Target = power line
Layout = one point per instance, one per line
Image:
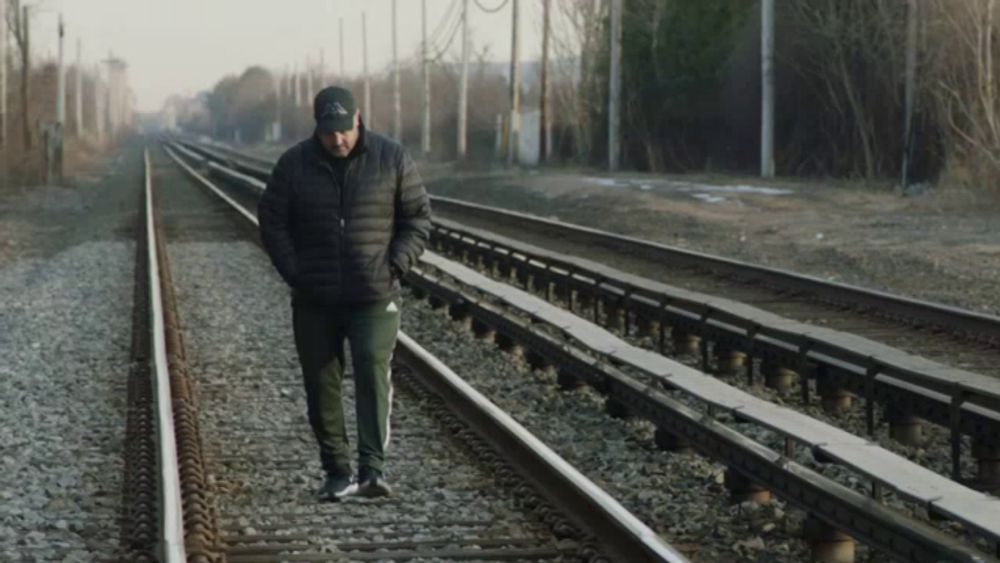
(448, 26)
(491, 10)
(451, 39)
(443, 24)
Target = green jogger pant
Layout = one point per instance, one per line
(320, 333)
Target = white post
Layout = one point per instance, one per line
(369, 114)
(513, 136)
(397, 102)
(343, 77)
(425, 133)
(99, 118)
(767, 90)
(614, 94)
(78, 90)
(463, 91)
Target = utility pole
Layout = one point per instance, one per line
(309, 93)
(287, 85)
(276, 126)
(78, 89)
(61, 80)
(767, 89)
(513, 139)
(117, 95)
(98, 105)
(615, 90)
(911, 88)
(3, 82)
(463, 87)
(396, 101)
(425, 130)
(543, 129)
(369, 114)
(23, 27)
(4, 163)
(295, 86)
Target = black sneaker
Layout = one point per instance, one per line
(337, 487)
(371, 483)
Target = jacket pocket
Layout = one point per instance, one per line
(379, 273)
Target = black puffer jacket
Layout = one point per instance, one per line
(344, 243)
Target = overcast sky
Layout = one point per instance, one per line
(184, 46)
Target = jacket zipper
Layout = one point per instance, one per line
(343, 220)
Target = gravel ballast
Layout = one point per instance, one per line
(65, 323)
(680, 496)
(260, 453)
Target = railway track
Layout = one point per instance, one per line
(910, 361)
(772, 469)
(234, 452)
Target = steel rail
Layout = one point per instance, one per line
(589, 506)
(862, 517)
(471, 301)
(964, 402)
(841, 507)
(171, 536)
(584, 503)
(874, 371)
(962, 321)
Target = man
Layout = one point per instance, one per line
(344, 217)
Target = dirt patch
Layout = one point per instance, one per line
(941, 246)
(38, 221)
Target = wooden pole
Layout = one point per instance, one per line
(61, 79)
(463, 91)
(368, 112)
(767, 90)
(3, 78)
(425, 130)
(99, 117)
(513, 138)
(543, 129)
(396, 100)
(614, 94)
(78, 90)
(911, 88)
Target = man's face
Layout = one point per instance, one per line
(340, 143)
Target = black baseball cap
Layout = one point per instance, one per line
(334, 109)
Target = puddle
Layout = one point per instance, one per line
(702, 192)
(709, 198)
(737, 189)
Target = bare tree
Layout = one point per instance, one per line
(18, 21)
(577, 37)
(853, 50)
(967, 86)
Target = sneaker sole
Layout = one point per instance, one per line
(375, 491)
(340, 495)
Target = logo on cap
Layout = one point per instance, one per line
(334, 109)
